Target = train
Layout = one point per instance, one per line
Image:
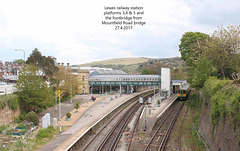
(183, 92)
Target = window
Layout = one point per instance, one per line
(83, 78)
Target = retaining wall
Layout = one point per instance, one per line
(224, 138)
(7, 115)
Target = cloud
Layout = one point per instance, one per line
(72, 31)
(215, 12)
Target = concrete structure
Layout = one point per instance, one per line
(7, 89)
(44, 122)
(166, 80)
(55, 123)
(48, 119)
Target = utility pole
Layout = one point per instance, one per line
(60, 126)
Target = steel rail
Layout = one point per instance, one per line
(111, 133)
(105, 125)
(117, 138)
(132, 132)
(159, 127)
(165, 138)
(180, 130)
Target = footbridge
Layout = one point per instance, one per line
(123, 83)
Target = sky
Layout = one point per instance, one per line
(72, 30)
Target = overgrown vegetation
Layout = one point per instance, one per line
(3, 127)
(225, 100)
(11, 100)
(194, 102)
(215, 55)
(32, 117)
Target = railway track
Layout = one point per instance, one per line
(180, 130)
(111, 140)
(164, 127)
(132, 132)
(112, 137)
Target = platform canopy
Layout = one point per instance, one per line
(134, 80)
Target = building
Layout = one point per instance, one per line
(83, 77)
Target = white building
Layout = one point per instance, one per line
(7, 88)
(166, 80)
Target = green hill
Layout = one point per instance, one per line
(117, 61)
(135, 65)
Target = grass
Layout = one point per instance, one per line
(117, 61)
(35, 140)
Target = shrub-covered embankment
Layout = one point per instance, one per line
(219, 120)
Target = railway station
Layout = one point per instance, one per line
(116, 81)
(116, 90)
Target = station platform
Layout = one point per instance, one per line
(88, 114)
(153, 112)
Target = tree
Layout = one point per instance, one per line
(32, 90)
(201, 73)
(76, 106)
(193, 52)
(146, 71)
(67, 81)
(19, 61)
(47, 64)
(153, 68)
(190, 46)
(223, 49)
(179, 73)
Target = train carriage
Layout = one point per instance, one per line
(183, 92)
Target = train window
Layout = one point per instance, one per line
(184, 91)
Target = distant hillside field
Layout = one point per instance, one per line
(135, 65)
(117, 61)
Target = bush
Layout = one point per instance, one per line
(2, 128)
(68, 115)
(21, 125)
(13, 102)
(32, 117)
(22, 116)
(76, 105)
(23, 131)
(44, 133)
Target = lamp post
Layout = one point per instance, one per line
(60, 126)
(23, 53)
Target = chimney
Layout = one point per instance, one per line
(67, 65)
(62, 64)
